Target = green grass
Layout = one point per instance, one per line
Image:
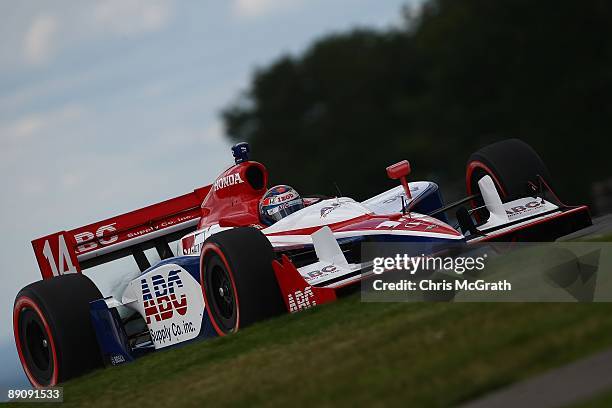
(356, 354)
(603, 400)
(597, 238)
(353, 353)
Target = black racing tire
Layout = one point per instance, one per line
(53, 332)
(512, 164)
(238, 281)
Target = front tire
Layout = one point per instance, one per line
(512, 164)
(53, 332)
(238, 281)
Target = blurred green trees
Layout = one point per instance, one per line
(456, 76)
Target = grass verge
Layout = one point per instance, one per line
(353, 353)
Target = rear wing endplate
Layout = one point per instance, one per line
(128, 234)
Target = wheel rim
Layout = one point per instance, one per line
(36, 346)
(220, 294)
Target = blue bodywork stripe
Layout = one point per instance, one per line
(190, 263)
(110, 334)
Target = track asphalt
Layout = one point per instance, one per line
(577, 381)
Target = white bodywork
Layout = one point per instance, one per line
(512, 211)
(340, 209)
(170, 300)
(184, 324)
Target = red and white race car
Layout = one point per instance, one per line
(232, 269)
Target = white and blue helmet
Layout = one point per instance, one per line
(279, 202)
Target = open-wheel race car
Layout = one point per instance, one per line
(246, 252)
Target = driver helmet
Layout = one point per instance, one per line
(279, 202)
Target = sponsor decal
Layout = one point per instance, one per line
(187, 245)
(388, 224)
(408, 225)
(192, 244)
(301, 299)
(82, 238)
(226, 181)
(193, 250)
(279, 198)
(172, 333)
(326, 210)
(525, 208)
(281, 189)
(116, 359)
(160, 297)
(399, 196)
(282, 206)
(161, 225)
(326, 270)
(392, 199)
(171, 304)
(415, 224)
(89, 240)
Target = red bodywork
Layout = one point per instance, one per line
(296, 292)
(62, 252)
(233, 200)
(230, 201)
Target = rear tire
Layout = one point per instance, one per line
(238, 281)
(53, 331)
(512, 164)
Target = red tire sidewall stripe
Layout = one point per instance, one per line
(25, 301)
(472, 166)
(214, 248)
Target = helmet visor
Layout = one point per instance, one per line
(278, 212)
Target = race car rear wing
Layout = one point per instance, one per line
(124, 235)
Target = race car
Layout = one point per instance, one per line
(246, 252)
